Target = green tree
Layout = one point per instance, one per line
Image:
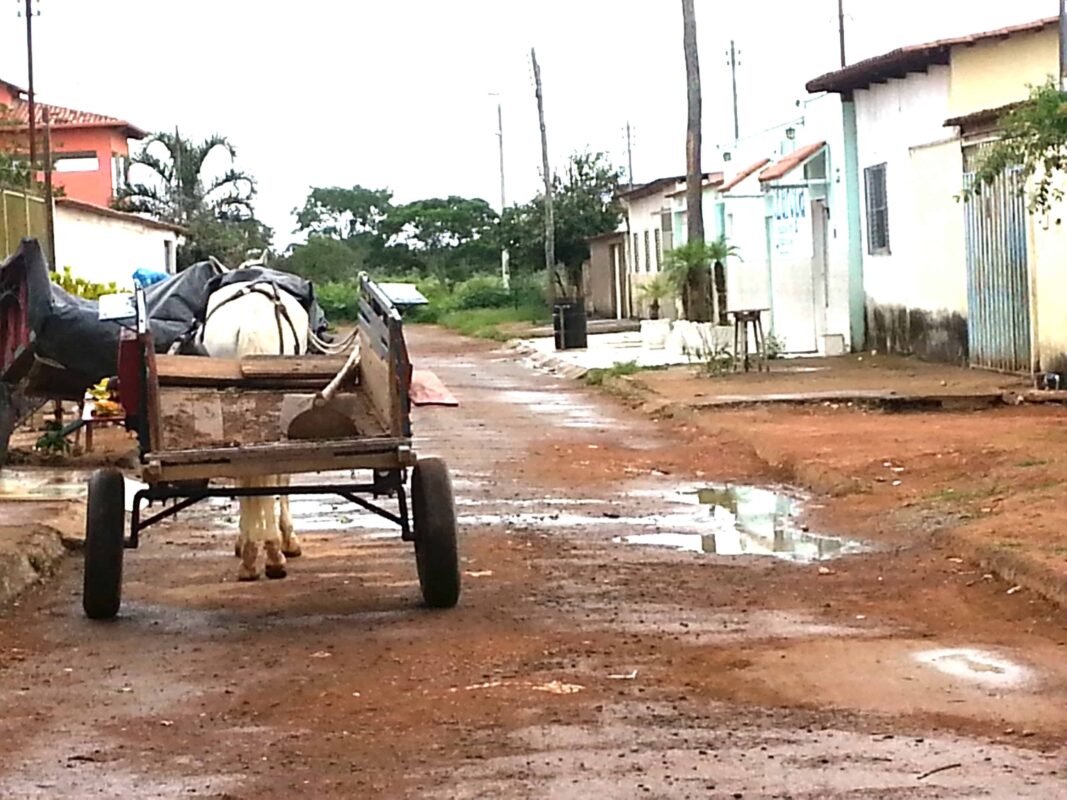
(1033, 141)
(586, 204)
(175, 186)
(452, 237)
(700, 266)
(324, 259)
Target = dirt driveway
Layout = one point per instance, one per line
(577, 665)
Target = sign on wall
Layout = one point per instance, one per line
(791, 229)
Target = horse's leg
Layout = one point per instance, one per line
(272, 541)
(258, 526)
(290, 544)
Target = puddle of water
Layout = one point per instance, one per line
(975, 665)
(43, 484)
(748, 520)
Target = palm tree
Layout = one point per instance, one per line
(691, 265)
(659, 288)
(177, 189)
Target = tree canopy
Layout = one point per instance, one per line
(1033, 141)
(453, 238)
(174, 184)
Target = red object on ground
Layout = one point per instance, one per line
(427, 390)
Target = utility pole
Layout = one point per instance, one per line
(505, 270)
(841, 27)
(733, 81)
(1063, 45)
(32, 100)
(49, 197)
(550, 225)
(698, 307)
(179, 200)
(629, 155)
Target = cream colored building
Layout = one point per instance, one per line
(980, 282)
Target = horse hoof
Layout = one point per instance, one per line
(247, 576)
(296, 552)
(275, 571)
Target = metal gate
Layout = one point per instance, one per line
(998, 287)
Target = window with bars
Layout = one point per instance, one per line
(659, 250)
(877, 210)
(636, 255)
(648, 253)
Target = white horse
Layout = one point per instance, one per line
(245, 319)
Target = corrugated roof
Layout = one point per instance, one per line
(743, 174)
(650, 188)
(790, 162)
(113, 213)
(711, 179)
(17, 116)
(986, 115)
(913, 58)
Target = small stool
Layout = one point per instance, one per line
(743, 319)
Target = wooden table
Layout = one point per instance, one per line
(743, 319)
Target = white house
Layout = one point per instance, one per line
(103, 245)
(785, 210)
(649, 234)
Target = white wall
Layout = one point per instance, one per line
(900, 124)
(645, 215)
(103, 249)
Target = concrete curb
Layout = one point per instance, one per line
(28, 558)
(548, 363)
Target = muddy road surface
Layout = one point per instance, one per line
(627, 629)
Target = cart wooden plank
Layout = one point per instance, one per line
(280, 458)
(203, 417)
(276, 372)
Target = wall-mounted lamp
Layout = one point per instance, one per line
(790, 133)
(727, 156)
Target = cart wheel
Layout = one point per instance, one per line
(435, 533)
(105, 522)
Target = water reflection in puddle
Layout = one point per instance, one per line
(41, 484)
(747, 520)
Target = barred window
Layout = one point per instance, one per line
(877, 210)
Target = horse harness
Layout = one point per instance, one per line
(270, 290)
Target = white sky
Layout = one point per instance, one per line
(395, 93)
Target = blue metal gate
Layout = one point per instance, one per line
(998, 287)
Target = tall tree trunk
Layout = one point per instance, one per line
(699, 284)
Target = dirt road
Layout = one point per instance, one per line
(576, 666)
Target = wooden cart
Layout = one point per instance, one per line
(203, 423)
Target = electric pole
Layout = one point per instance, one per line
(29, 75)
(841, 28)
(733, 82)
(550, 225)
(1063, 45)
(629, 155)
(505, 271)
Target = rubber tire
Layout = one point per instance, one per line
(105, 523)
(436, 552)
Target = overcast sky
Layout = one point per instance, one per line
(397, 94)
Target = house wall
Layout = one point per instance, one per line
(994, 73)
(103, 249)
(95, 186)
(916, 293)
(645, 215)
(599, 274)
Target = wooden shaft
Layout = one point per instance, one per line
(326, 395)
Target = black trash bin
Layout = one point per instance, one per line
(568, 325)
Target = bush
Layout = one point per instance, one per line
(481, 291)
(79, 287)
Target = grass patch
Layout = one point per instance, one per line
(963, 495)
(1032, 462)
(492, 323)
(596, 377)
